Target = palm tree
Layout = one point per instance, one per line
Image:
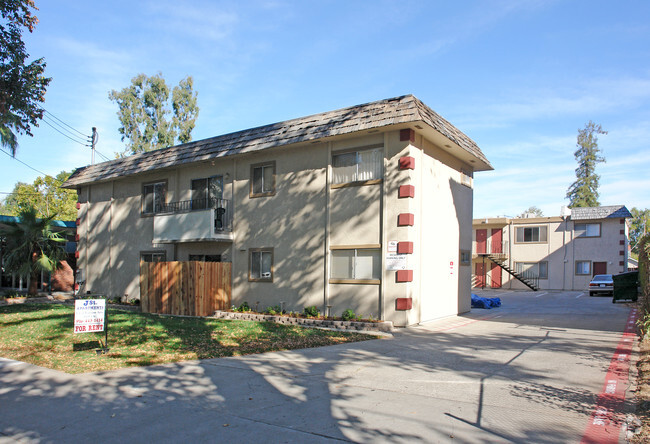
(8, 138)
(32, 247)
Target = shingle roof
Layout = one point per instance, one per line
(398, 110)
(589, 213)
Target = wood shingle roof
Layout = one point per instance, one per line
(606, 212)
(399, 110)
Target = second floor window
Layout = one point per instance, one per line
(262, 179)
(587, 230)
(205, 192)
(357, 166)
(531, 234)
(153, 197)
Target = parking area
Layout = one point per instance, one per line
(533, 370)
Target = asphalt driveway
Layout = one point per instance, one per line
(538, 369)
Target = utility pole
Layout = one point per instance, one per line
(94, 141)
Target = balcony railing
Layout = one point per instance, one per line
(497, 249)
(222, 210)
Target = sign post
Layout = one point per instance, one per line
(89, 317)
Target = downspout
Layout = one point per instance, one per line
(326, 246)
(564, 260)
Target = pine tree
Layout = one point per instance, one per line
(584, 191)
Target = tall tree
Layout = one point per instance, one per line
(45, 195)
(639, 225)
(584, 191)
(145, 108)
(534, 211)
(32, 247)
(22, 83)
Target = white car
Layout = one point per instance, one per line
(601, 283)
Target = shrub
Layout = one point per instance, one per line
(273, 309)
(312, 311)
(348, 315)
(244, 307)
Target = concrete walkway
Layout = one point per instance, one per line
(528, 372)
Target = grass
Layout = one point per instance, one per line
(42, 334)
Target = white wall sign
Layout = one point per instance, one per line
(89, 315)
(396, 261)
(392, 247)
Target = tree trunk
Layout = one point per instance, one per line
(34, 277)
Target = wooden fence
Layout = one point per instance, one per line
(185, 288)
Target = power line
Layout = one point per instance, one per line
(74, 129)
(71, 137)
(31, 167)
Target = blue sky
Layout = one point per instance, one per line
(518, 77)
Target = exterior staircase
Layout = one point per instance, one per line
(501, 262)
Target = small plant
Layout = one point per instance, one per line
(311, 311)
(272, 310)
(644, 325)
(348, 315)
(244, 307)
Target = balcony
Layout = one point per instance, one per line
(496, 249)
(193, 221)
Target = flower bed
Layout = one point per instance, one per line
(383, 326)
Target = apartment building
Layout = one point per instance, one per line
(367, 208)
(551, 253)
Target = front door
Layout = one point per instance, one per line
(600, 268)
(481, 241)
(480, 275)
(496, 240)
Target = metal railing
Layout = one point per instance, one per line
(493, 248)
(221, 207)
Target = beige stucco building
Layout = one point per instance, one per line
(553, 253)
(367, 207)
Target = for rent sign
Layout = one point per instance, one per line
(89, 315)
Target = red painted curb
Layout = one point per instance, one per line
(606, 420)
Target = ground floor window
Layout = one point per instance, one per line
(153, 256)
(583, 267)
(356, 264)
(260, 264)
(532, 270)
(205, 257)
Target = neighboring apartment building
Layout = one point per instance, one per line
(554, 253)
(367, 208)
(60, 280)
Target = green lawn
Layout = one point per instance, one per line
(42, 334)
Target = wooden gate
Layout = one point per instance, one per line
(185, 288)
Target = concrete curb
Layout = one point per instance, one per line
(381, 326)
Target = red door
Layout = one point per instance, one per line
(480, 275)
(600, 268)
(496, 276)
(496, 239)
(481, 241)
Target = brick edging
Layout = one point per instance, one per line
(383, 326)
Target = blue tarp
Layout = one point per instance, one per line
(480, 302)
